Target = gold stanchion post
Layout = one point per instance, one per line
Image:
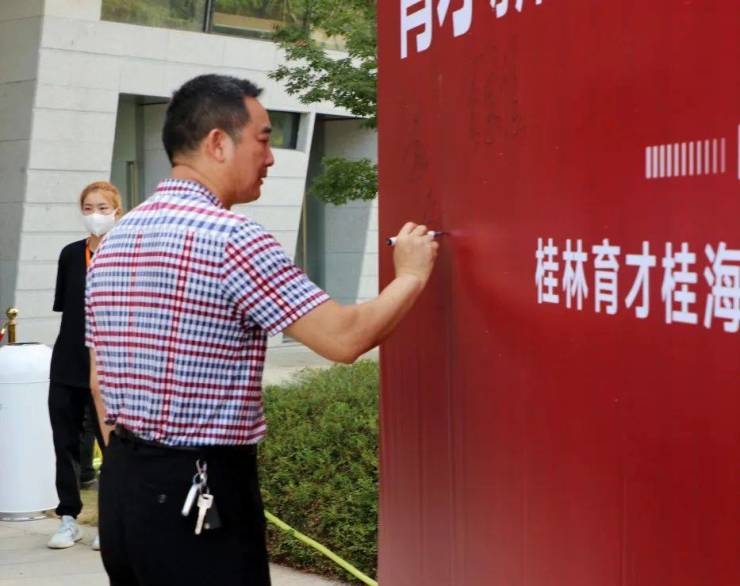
(12, 314)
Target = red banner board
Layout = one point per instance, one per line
(563, 405)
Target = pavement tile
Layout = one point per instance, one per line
(26, 561)
(41, 527)
(17, 542)
(73, 580)
(9, 531)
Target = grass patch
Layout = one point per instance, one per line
(89, 514)
(319, 467)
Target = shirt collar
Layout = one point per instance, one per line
(188, 187)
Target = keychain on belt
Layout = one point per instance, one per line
(207, 514)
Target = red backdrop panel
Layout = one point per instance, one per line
(525, 440)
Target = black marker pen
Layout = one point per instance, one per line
(392, 240)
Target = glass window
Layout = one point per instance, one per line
(259, 19)
(187, 15)
(284, 129)
(249, 18)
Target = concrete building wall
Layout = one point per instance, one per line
(156, 164)
(351, 239)
(62, 72)
(20, 33)
(126, 147)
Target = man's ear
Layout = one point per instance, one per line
(217, 145)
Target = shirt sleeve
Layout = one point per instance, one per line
(263, 284)
(89, 315)
(59, 292)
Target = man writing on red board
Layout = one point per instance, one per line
(181, 297)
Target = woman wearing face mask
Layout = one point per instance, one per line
(69, 390)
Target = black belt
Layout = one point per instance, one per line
(128, 436)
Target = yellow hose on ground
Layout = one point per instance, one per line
(320, 548)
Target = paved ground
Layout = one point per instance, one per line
(26, 561)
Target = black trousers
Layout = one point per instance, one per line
(67, 407)
(90, 432)
(145, 540)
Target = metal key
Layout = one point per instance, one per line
(190, 499)
(199, 486)
(205, 502)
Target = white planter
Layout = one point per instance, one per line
(27, 461)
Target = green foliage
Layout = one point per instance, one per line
(315, 75)
(344, 180)
(319, 467)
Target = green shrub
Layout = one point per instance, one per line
(319, 467)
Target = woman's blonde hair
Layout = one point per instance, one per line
(107, 188)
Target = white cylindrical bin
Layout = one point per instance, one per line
(27, 459)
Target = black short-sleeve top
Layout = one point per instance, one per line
(70, 360)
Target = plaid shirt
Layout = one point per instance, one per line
(181, 295)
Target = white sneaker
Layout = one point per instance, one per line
(68, 533)
(96, 543)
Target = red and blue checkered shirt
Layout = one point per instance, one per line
(180, 298)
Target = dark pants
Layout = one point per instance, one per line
(144, 539)
(67, 406)
(87, 445)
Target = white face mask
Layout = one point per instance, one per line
(99, 224)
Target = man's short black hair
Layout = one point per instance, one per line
(202, 104)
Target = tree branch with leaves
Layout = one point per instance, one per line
(346, 79)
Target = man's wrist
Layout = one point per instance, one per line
(412, 278)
